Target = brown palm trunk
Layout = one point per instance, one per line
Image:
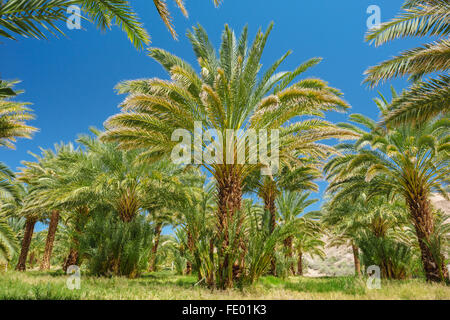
(422, 215)
(269, 205)
(356, 259)
(300, 263)
(29, 229)
(71, 260)
(229, 190)
(54, 219)
(288, 245)
(158, 229)
(32, 259)
(190, 245)
(74, 257)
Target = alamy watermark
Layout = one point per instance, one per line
(374, 277)
(74, 19)
(374, 20)
(237, 147)
(74, 280)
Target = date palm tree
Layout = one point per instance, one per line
(268, 188)
(8, 241)
(41, 178)
(426, 98)
(13, 116)
(229, 93)
(408, 161)
(291, 207)
(308, 241)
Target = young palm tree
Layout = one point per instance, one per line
(269, 188)
(228, 94)
(307, 242)
(168, 188)
(13, 116)
(291, 207)
(407, 161)
(425, 99)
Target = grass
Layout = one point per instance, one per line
(51, 285)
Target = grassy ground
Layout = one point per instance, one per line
(52, 285)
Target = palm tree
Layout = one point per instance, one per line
(168, 188)
(307, 241)
(115, 176)
(8, 241)
(196, 224)
(43, 178)
(26, 241)
(269, 188)
(12, 197)
(349, 217)
(291, 207)
(425, 99)
(32, 18)
(226, 95)
(13, 116)
(407, 161)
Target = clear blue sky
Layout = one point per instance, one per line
(70, 80)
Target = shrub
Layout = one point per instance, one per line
(114, 247)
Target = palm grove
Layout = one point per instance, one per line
(107, 197)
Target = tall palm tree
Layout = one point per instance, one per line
(44, 180)
(228, 94)
(13, 116)
(408, 161)
(33, 18)
(426, 98)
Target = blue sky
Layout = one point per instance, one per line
(71, 80)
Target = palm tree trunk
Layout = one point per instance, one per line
(355, 250)
(71, 260)
(81, 218)
(288, 246)
(29, 229)
(158, 229)
(435, 271)
(229, 191)
(190, 245)
(269, 205)
(300, 263)
(54, 219)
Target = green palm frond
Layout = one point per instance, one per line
(419, 18)
(434, 57)
(13, 117)
(30, 18)
(423, 101)
(104, 13)
(8, 241)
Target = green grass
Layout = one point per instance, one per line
(164, 285)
